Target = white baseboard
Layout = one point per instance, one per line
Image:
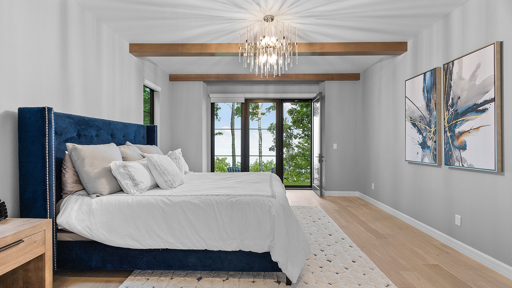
(341, 193)
(483, 258)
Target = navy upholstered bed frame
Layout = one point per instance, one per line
(42, 138)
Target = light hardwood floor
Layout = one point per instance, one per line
(409, 257)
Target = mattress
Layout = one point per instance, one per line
(213, 211)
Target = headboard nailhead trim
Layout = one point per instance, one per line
(53, 190)
(47, 169)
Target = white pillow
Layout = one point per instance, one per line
(177, 158)
(92, 163)
(166, 174)
(133, 176)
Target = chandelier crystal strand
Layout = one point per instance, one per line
(296, 48)
(268, 47)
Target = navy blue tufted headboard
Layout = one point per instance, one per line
(42, 138)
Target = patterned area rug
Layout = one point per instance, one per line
(335, 261)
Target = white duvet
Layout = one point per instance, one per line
(214, 211)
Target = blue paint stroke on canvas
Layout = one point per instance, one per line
(464, 104)
(423, 118)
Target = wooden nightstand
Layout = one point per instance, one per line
(26, 253)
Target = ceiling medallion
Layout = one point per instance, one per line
(268, 47)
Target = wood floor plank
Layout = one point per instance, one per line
(446, 276)
(408, 257)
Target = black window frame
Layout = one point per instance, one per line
(151, 106)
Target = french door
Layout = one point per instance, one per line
(264, 136)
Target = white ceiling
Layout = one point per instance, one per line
(207, 21)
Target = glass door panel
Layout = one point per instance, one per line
(262, 137)
(297, 143)
(227, 132)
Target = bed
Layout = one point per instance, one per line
(42, 134)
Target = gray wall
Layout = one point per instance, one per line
(342, 120)
(189, 109)
(429, 194)
(53, 53)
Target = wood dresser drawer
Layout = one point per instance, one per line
(21, 251)
(26, 258)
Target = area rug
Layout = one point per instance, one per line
(335, 261)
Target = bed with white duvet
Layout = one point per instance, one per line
(212, 211)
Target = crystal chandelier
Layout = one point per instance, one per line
(268, 47)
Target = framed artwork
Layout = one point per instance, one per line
(472, 110)
(423, 118)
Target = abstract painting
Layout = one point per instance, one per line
(472, 110)
(422, 118)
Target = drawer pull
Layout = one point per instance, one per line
(11, 245)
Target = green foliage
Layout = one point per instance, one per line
(221, 164)
(300, 113)
(216, 109)
(266, 166)
(146, 106)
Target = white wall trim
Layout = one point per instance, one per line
(152, 85)
(225, 97)
(341, 193)
(471, 252)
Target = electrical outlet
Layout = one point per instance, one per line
(373, 186)
(458, 220)
(335, 146)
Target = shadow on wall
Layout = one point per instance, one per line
(9, 164)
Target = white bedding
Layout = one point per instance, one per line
(210, 211)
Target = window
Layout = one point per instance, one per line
(227, 137)
(149, 106)
(263, 136)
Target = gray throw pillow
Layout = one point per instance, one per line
(130, 152)
(92, 163)
(70, 181)
(147, 149)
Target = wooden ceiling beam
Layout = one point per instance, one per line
(252, 77)
(231, 49)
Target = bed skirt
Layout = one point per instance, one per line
(92, 255)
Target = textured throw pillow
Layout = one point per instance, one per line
(165, 171)
(178, 160)
(92, 163)
(130, 153)
(147, 149)
(187, 170)
(70, 181)
(133, 176)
